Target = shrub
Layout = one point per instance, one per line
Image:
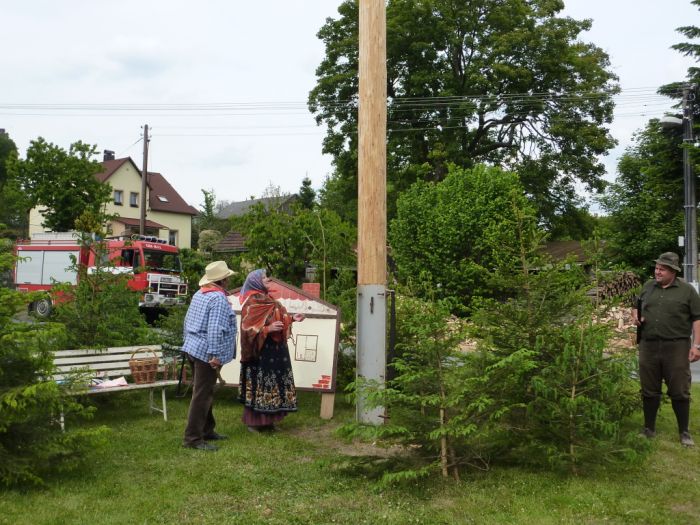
(31, 442)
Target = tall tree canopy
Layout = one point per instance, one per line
(504, 82)
(690, 49)
(645, 204)
(450, 236)
(12, 206)
(61, 182)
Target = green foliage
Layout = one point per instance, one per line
(645, 204)
(62, 183)
(425, 391)
(689, 49)
(447, 237)
(307, 195)
(12, 200)
(505, 83)
(545, 387)
(208, 239)
(207, 219)
(31, 442)
(101, 310)
(193, 265)
(284, 242)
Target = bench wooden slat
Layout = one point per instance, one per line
(113, 362)
(130, 386)
(116, 350)
(76, 360)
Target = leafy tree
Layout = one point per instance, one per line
(507, 83)
(13, 207)
(101, 310)
(645, 204)
(193, 265)
(274, 242)
(61, 182)
(328, 242)
(32, 445)
(447, 237)
(208, 239)
(208, 219)
(285, 241)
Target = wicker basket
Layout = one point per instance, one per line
(144, 369)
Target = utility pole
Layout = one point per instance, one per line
(144, 175)
(690, 263)
(371, 220)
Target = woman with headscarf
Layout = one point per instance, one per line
(266, 386)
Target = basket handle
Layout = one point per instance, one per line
(143, 350)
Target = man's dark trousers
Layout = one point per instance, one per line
(665, 361)
(200, 420)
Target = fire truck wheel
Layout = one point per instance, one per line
(42, 308)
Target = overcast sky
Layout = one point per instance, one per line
(257, 59)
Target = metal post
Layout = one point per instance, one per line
(371, 200)
(690, 261)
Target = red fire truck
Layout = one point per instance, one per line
(152, 264)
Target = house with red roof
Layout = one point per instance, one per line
(168, 216)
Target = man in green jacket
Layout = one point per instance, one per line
(670, 314)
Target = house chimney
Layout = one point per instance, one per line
(108, 155)
(313, 289)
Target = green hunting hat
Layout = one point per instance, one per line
(669, 259)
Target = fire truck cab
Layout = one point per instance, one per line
(152, 264)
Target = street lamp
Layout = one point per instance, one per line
(690, 259)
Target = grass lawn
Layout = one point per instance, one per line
(144, 477)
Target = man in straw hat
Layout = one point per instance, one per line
(670, 314)
(210, 342)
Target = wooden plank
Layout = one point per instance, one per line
(327, 403)
(77, 360)
(114, 350)
(131, 386)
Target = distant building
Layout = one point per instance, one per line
(168, 216)
(237, 209)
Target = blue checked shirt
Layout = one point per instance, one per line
(210, 328)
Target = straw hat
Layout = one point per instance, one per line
(215, 271)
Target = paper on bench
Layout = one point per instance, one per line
(120, 381)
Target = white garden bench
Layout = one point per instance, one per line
(114, 363)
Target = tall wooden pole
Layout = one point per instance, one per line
(371, 219)
(144, 176)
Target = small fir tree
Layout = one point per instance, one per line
(32, 445)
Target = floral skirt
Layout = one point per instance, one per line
(267, 385)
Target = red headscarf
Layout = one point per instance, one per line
(258, 312)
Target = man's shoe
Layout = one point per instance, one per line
(686, 440)
(647, 433)
(202, 445)
(214, 436)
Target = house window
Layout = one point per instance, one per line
(172, 237)
(134, 199)
(118, 197)
(163, 198)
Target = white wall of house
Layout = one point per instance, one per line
(178, 225)
(127, 181)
